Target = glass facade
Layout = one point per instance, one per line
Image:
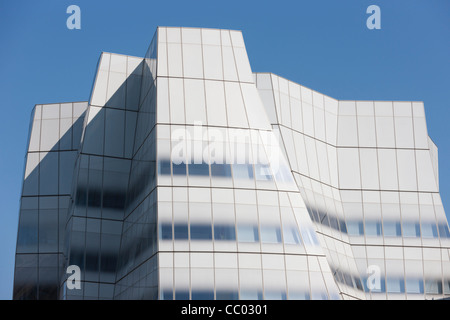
(187, 176)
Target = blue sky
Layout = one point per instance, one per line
(324, 45)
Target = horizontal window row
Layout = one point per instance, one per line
(393, 285)
(260, 172)
(407, 229)
(242, 295)
(407, 285)
(374, 228)
(241, 233)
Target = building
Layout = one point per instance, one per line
(187, 176)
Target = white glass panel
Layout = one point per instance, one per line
(35, 136)
(192, 61)
(425, 174)
(369, 168)
(347, 134)
(99, 93)
(229, 67)
(420, 133)
(215, 103)
(174, 60)
(406, 170)
(195, 101)
(388, 169)
(319, 123)
(404, 135)
(253, 105)
(366, 131)
(235, 106)
(211, 37)
(162, 59)
(308, 119)
(49, 135)
(115, 97)
(212, 60)
(50, 111)
(162, 104)
(385, 131)
(176, 98)
(118, 63)
(349, 173)
(243, 65)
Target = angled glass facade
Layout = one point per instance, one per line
(187, 176)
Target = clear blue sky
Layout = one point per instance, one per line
(324, 45)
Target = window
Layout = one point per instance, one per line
(164, 167)
(262, 172)
(395, 285)
(180, 232)
(165, 232)
(429, 230)
(201, 232)
(221, 170)
(251, 295)
(411, 229)
(179, 169)
(309, 236)
(443, 230)
(414, 285)
(248, 233)
(202, 295)
(227, 295)
(224, 233)
(270, 234)
(291, 235)
(433, 286)
(243, 171)
(373, 228)
(342, 226)
(201, 169)
(181, 295)
(355, 228)
(392, 229)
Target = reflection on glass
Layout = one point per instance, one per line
(164, 167)
(224, 232)
(392, 229)
(373, 228)
(429, 230)
(248, 233)
(395, 285)
(251, 295)
(262, 172)
(179, 169)
(433, 286)
(411, 229)
(414, 285)
(220, 170)
(270, 234)
(201, 169)
(242, 171)
(166, 232)
(180, 232)
(443, 230)
(355, 228)
(291, 235)
(201, 232)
